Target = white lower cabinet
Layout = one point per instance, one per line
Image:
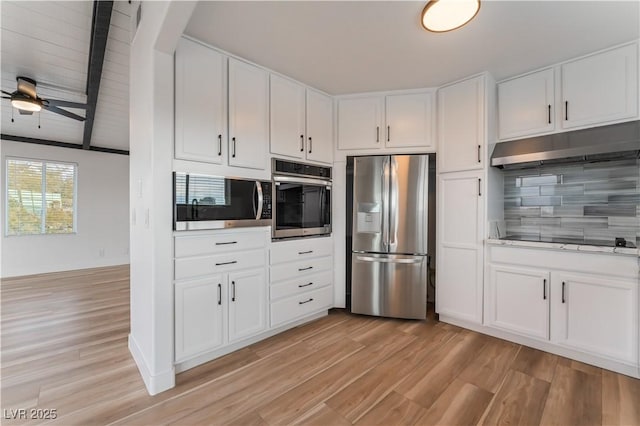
(459, 263)
(301, 279)
(596, 314)
(218, 306)
(199, 316)
(583, 305)
(247, 303)
(519, 300)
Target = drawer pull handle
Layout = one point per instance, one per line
(304, 285)
(227, 263)
(228, 242)
(305, 269)
(305, 252)
(306, 301)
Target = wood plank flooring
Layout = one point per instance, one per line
(64, 347)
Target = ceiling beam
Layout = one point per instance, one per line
(50, 142)
(97, 48)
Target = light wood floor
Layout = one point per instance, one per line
(64, 347)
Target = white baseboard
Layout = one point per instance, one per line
(154, 383)
(184, 365)
(548, 346)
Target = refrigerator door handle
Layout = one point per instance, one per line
(389, 259)
(392, 205)
(385, 202)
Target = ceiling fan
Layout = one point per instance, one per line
(26, 100)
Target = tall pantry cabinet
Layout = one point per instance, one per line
(462, 170)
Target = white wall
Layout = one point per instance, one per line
(151, 146)
(102, 215)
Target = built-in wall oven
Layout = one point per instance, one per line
(301, 199)
(214, 202)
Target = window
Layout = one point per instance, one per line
(40, 197)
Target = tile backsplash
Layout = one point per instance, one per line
(594, 202)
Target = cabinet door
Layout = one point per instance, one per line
(526, 105)
(247, 303)
(518, 300)
(596, 314)
(198, 316)
(287, 117)
(600, 88)
(460, 253)
(248, 115)
(461, 128)
(360, 122)
(319, 127)
(201, 101)
(409, 120)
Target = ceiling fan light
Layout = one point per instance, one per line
(445, 15)
(26, 104)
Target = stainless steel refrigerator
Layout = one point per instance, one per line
(389, 231)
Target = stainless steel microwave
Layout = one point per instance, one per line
(214, 202)
(301, 199)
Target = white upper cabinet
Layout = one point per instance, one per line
(319, 127)
(248, 115)
(461, 125)
(600, 88)
(200, 103)
(597, 89)
(393, 121)
(409, 120)
(526, 105)
(360, 122)
(301, 121)
(287, 117)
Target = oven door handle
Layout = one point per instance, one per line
(258, 190)
(292, 179)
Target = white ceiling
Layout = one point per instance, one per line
(348, 47)
(49, 42)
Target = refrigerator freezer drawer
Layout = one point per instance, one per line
(389, 285)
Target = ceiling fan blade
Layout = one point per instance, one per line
(61, 111)
(7, 93)
(61, 103)
(24, 112)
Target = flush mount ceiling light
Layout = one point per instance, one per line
(440, 16)
(25, 103)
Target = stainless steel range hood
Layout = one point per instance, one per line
(611, 142)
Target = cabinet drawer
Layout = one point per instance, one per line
(196, 245)
(303, 304)
(293, 270)
(189, 267)
(301, 284)
(287, 251)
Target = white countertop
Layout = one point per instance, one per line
(562, 246)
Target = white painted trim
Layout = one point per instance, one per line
(154, 383)
(608, 364)
(208, 356)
